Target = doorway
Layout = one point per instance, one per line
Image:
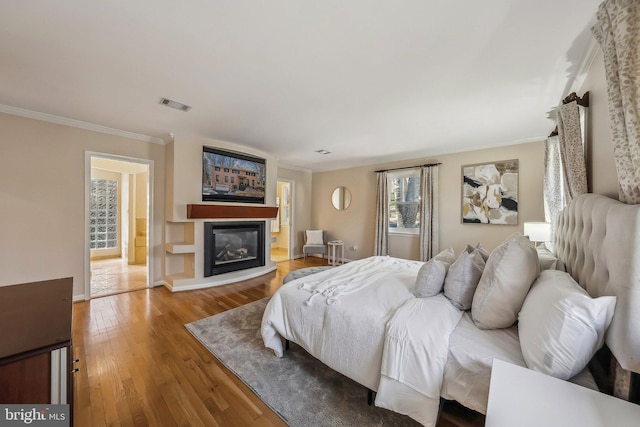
(282, 225)
(118, 208)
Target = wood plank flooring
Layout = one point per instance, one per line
(139, 366)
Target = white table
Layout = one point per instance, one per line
(336, 252)
(523, 397)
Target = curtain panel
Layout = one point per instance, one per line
(429, 221)
(617, 30)
(554, 194)
(382, 216)
(572, 150)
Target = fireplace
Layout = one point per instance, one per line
(232, 246)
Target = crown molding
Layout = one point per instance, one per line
(77, 124)
(587, 60)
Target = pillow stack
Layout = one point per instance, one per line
(509, 273)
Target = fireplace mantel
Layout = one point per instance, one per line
(230, 211)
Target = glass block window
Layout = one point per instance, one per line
(103, 221)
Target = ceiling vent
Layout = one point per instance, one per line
(173, 104)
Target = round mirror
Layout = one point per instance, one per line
(341, 198)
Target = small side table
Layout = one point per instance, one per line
(336, 252)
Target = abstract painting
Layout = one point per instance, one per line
(490, 193)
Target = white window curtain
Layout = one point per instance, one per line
(429, 221)
(617, 30)
(382, 216)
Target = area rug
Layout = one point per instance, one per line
(297, 387)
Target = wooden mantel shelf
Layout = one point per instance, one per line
(231, 211)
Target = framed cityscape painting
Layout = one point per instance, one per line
(490, 193)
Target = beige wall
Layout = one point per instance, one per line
(601, 170)
(42, 200)
(355, 225)
(302, 205)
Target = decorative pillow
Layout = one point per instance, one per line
(561, 326)
(462, 278)
(430, 278)
(548, 261)
(481, 249)
(314, 237)
(511, 269)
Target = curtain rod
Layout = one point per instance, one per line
(583, 102)
(409, 167)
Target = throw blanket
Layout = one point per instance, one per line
(414, 357)
(339, 315)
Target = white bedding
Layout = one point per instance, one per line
(362, 320)
(414, 357)
(342, 321)
(471, 352)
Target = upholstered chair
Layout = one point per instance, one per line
(315, 242)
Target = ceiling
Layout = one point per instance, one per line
(371, 81)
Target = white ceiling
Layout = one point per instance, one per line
(369, 80)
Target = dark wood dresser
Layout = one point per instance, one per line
(36, 346)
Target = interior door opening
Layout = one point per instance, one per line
(118, 222)
(282, 225)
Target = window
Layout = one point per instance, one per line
(404, 201)
(103, 220)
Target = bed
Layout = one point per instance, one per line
(363, 319)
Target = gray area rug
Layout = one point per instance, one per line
(298, 387)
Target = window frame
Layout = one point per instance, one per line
(402, 174)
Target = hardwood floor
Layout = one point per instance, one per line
(139, 366)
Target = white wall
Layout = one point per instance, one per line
(42, 179)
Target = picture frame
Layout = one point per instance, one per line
(490, 193)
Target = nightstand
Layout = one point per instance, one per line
(525, 398)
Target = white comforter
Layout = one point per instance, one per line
(348, 317)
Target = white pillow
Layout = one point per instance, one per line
(561, 326)
(314, 237)
(430, 278)
(548, 261)
(462, 278)
(511, 269)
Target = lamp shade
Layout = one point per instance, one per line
(538, 231)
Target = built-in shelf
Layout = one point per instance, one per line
(231, 211)
(179, 248)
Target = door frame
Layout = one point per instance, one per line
(87, 192)
(292, 191)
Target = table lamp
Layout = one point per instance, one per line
(538, 232)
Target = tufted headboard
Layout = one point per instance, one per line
(598, 239)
